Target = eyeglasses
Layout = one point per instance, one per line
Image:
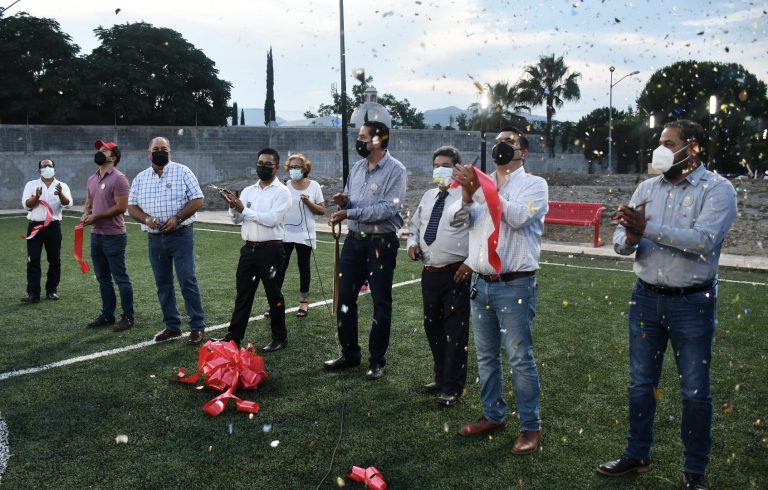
(265, 164)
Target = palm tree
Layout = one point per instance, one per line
(502, 105)
(549, 82)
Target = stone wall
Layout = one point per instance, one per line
(221, 153)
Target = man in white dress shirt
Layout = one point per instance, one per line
(37, 193)
(442, 245)
(260, 209)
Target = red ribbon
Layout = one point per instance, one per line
(48, 218)
(372, 477)
(84, 267)
(227, 368)
(488, 187)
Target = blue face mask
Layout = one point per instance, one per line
(442, 175)
(296, 174)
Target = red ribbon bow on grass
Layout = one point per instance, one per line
(488, 187)
(372, 477)
(227, 368)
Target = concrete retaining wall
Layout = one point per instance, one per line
(220, 153)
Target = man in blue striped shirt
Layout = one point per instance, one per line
(675, 225)
(164, 199)
(371, 204)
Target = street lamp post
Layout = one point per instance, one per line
(483, 106)
(344, 142)
(610, 115)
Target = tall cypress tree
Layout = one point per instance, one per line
(234, 114)
(269, 104)
(242, 117)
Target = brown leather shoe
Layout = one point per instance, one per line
(195, 337)
(167, 334)
(481, 427)
(527, 442)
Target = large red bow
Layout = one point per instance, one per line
(48, 218)
(227, 368)
(488, 187)
(372, 477)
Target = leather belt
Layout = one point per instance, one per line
(445, 268)
(268, 243)
(368, 236)
(671, 291)
(43, 222)
(507, 276)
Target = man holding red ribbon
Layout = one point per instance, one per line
(506, 220)
(44, 198)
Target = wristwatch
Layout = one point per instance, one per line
(178, 218)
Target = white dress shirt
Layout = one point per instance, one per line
(524, 201)
(263, 211)
(452, 239)
(38, 212)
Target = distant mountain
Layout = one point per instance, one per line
(254, 116)
(442, 116)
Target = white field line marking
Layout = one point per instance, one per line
(148, 343)
(5, 450)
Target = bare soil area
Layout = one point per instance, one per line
(748, 236)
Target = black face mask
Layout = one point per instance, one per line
(160, 158)
(676, 170)
(503, 153)
(264, 173)
(362, 149)
(100, 158)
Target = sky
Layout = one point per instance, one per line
(429, 51)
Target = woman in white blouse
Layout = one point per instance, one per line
(307, 202)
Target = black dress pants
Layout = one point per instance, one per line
(50, 238)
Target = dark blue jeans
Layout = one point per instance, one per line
(372, 259)
(688, 322)
(50, 239)
(108, 257)
(176, 249)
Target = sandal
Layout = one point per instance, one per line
(302, 312)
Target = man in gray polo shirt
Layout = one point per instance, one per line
(371, 204)
(675, 225)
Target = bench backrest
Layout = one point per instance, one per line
(574, 210)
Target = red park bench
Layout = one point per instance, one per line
(576, 213)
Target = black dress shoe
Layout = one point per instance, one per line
(432, 388)
(125, 323)
(30, 299)
(53, 296)
(167, 334)
(625, 465)
(340, 363)
(101, 321)
(374, 373)
(195, 337)
(694, 481)
(225, 338)
(444, 400)
(275, 345)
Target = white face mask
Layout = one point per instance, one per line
(664, 158)
(296, 174)
(442, 175)
(47, 172)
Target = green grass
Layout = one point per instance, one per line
(63, 422)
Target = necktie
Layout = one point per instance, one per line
(434, 220)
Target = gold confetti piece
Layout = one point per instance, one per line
(758, 422)
(565, 302)
(340, 481)
(250, 416)
(657, 394)
(210, 448)
(727, 407)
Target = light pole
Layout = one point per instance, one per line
(610, 115)
(712, 116)
(483, 106)
(344, 142)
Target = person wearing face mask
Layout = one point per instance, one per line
(675, 225)
(503, 302)
(106, 200)
(371, 203)
(443, 246)
(307, 201)
(165, 198)
(261, 209)
(41, 196)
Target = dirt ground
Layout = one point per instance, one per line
(748, 236)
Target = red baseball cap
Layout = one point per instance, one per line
(110, 146)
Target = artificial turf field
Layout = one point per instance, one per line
(63, 421)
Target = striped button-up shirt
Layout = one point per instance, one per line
(524, 203)
(686, 226)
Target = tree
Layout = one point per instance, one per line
(39, 71)
(141, 74)
(462, 122)
(234, 113)
(269, 104)
(630, 138)
(550, 83)
(502, 107)
(242, 117)
(309, 115)
(682, 91)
